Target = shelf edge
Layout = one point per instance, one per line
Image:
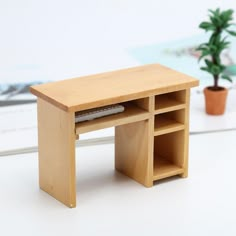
(171, 108)
(169, 130)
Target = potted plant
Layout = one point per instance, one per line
(218, 25)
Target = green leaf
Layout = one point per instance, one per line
(205, 69)
(216, 21)
(218, 61)
(227, 25)
(216, 12)
(213, 49)
(233, 33)
(204, 54)
(227, 15)
(201, 47)
(208, 63)
(215, 70)
(226, 77)
(222, 67)
(207, 26)
(224, 43)
(214, 38)
(221, 45)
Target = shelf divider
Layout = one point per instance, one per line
(165, 125)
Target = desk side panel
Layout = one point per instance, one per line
(56, 140)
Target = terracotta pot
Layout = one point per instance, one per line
(215, 100)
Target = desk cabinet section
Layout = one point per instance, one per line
(170, 101)
(171, 126)
(168, 155)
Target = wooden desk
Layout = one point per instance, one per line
(151, 135)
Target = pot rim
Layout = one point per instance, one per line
(222, 89)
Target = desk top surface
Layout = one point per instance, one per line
(112, 87)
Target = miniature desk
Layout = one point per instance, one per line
(151, 135)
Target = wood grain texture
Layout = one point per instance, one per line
(170, 101)
(56, 140)
(164, 168)
(113, 87)
(165, 126)
(152, 105)
(169, 122)
(134, 151)
(166, 104)
(170, 147)
(143, 103)
(186, 135)
(147, 146)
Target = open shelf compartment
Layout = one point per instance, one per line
(168, 155)
(170, 101)
(135, 110)
(169, 122)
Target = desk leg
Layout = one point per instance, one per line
(56, 140)
(186, 135)
(134, 151)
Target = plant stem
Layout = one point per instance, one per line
(214, 60)
(216, 78)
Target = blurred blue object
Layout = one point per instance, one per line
(231, 70)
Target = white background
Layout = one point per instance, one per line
(71, 38)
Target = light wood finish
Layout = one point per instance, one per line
(178, 115)
(171, 141)
(113, 87)
(151, 104)
(165, 125)
(171, 148)
(56, 141)
(170, 101)
(144, 103)
(166, 104)
(164, 168)
(133, 151)
(131, 114)
(186, 135)
(151, 135)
